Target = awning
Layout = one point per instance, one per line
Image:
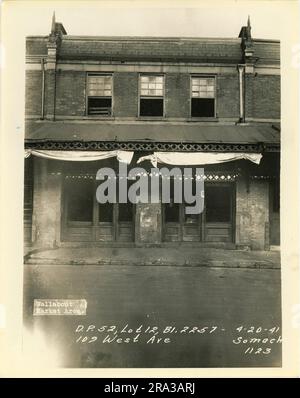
(198, 158)
(87, 131)
(80, 156)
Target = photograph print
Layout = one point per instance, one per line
(152, 189)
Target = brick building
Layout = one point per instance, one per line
(130, 97)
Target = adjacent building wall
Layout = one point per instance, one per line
(46, 218)
(266, 96)
(252, 214)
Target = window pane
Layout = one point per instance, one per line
(99, 86)
(151, 86)
(172, 212)
(203, 88)
(218, 203)
(191, 218)
(93, 93)
(125, 212)
(99, 106)
(151, 107)
(79, 196)
(203, 107)
(106, 212)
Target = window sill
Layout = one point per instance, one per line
(98, 117)
(203, 119)
(151, 118)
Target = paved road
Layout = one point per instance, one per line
(220, 300)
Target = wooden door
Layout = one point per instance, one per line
(172, 228)
(218, 212)
(78, 210)
(86, 220)
(215, 224)
(191, 226)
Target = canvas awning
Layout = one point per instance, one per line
(198, 158)
(79, 156)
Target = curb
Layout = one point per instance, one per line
(186, 263)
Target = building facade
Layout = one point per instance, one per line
(199, 102)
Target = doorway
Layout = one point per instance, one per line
(215, 224)
(84, 219)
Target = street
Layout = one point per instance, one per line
(159, 316)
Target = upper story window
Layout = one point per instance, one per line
(151, 95)
(203, 93)
(99, 94)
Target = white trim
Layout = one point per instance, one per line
(153, 67)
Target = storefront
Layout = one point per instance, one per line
(214, 224)
(241, 206)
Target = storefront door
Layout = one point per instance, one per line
(215, 224)
(84, 219)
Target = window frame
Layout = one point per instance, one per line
(203, 76)
(87, 96)
(140, 75)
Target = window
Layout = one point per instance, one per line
(151, 95)
(106, 212)
(80, 200)
(172, 210)
(218, 204)
(99, 94)
(125, 212)
(203, 97)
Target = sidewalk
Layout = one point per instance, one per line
(171, 256)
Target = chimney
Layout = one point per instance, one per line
(54, 41)
(246, 44)
(57, 28)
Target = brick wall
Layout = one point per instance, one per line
(249, 96)
(70, 93)
(125, 94)
(266, 92)
(49, 93)
(33, 93)
(228, 96)
(252, 214)
(177, 99)
(148, 224)
(46, 206)
(262, 98)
